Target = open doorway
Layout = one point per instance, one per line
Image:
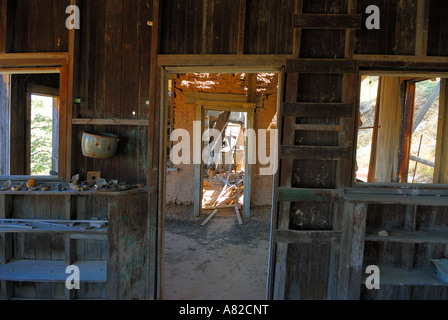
(224, 166)
(218, 210)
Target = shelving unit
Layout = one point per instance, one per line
(400, 212)
(16, 268)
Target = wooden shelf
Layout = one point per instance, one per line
(423, 276)
(51, 271)
(77, 229)
(110, 122)
(402, 236)
(74, 193)
(397, 199)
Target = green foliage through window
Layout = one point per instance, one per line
(41, 135)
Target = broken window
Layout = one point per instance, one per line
(401, 130)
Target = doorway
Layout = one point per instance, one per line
(224, 254)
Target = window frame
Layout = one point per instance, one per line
(442, 131)
(40, 63)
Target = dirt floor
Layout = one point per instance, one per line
(219, 261)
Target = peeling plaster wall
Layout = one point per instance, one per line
(180, 184)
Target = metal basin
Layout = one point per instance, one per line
(99, 145)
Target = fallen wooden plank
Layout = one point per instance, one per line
(209, 217)
(226, 206)
(238, 216)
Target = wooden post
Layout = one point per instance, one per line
(406, 130)
(70, 244)
(441, 167)
(129, 248)
(288, 125)
(408, 249)
(6, 247)
(352, 255)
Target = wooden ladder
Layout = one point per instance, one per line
(342, 111)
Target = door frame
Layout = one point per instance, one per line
(166, 68)
(201, 107)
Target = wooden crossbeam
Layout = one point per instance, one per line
(328, 66)
(314, 153)
(327, 21)
(293, 236)
(325, 110)
(311, 195)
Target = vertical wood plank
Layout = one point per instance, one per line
(241, 27)
(6, 245)
(351, 258)
(421, 42)
(129, 258)
(411, 226)
(441, 167)
(288, 128)
(3, 24)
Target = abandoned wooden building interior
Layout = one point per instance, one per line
(97, 96)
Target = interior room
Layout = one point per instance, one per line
(223, 150)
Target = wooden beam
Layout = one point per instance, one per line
(352, 256)
(318, 127)
(318, 109)
(327, 21)
(374, 148)
(155, 274)
(314, 153)
(370, 58)
(219, 62)
(319, 237)
(110, 122)
(3, 25)
(441, 167)
(69, 99)
(406, 130)
(311, 195)
(327, 66)
(33, 59)
(279, 277)
(435, 201)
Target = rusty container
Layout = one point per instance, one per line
(99, 145)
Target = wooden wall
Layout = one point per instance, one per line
(113, 81)
(37, 26)
(113, 77)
